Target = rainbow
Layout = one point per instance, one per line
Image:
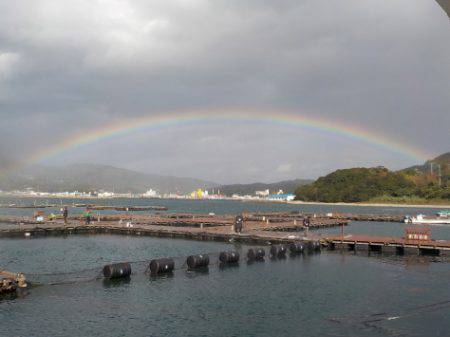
(156, 121)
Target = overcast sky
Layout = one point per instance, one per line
(69, 66)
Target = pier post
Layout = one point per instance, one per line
(377, 248)
(362, 247)
(411, 250)
(389, 250)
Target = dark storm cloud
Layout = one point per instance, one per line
(66, 66)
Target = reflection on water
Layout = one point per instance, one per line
(192, 273)
(161, 277)
(256, 261)
(8, 297)
(215, 206)
(225, 266)
(110, 283)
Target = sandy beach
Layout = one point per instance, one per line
(368, 204)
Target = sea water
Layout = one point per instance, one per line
(332, 293)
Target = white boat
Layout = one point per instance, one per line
(442, 218)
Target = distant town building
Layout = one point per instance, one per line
(105, 194)
(263, 194)
(281, 197)
(199, 194)
(150, 194)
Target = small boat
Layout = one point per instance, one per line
(444, 214)
(441, 218)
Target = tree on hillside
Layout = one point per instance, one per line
(356, 185)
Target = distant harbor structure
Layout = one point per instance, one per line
(281, 197)
(150, 193)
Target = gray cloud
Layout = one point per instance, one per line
(67, 66)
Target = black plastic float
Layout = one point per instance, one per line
(197, 261)
(318, 246)
(278, 251)
(161, 266)
(229, 257)
(296, 247)
(256, 254)
(117, 270)
(313, 246)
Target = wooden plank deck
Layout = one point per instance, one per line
(202, 227)
(389, 241)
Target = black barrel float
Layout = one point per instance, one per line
(229, 257)
(160, 266)
(197, 261)
(296, 247)
(316, 245)
(313, 246)
(256, 254)
(278, 251)
(117, 270)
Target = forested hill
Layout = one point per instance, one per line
(433, 166)
(430, 181)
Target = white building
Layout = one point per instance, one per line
(262, 194)
(150, 194)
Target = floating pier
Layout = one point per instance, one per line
(294, 226)
(290, 216)
(120, 208)
(368, 217)
(256, 230)
(126, 208)
(27, 206)
(387, 244)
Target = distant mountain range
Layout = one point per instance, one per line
(92, 177)
(288, 186)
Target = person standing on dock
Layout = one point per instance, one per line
(238, 224)
(65, 214)
(87, 216)
(306, 223)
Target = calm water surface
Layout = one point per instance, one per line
(206, 206)
(326, 294)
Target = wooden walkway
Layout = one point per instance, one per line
(289, 216)
(370, 242)
(218, 233)
(257, 229)
(277, 223)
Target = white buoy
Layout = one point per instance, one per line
(27, 234)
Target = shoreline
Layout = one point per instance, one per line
(294, 202)
(365, 204)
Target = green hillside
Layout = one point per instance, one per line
(423, 183)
